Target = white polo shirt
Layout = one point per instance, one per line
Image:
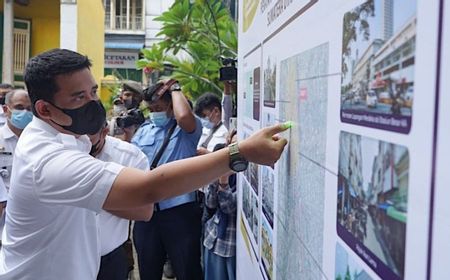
(114, 230)
(8, 143)
(219, 137)
(2, 116)
(57, 189)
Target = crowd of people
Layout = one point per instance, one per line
(71, 181)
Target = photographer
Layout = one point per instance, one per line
(171, 134)
(127, 116)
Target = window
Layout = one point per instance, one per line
(125, 15)
(21, 38)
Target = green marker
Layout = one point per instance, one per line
(288, 124)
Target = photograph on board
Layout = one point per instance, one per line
(270, 81)
(250, 209)
(256, 93)
(372, 200)
(378, 61)
(267, 193)
(248, 94)
(267, 249)
(347, 268)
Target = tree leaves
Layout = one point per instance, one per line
(194, 38)
(355, 22)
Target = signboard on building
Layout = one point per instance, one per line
(121, 60)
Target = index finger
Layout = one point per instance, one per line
(272, 130)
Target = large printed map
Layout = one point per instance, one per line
(355, 193)
(303, 98)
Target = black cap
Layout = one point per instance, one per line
(133, 86)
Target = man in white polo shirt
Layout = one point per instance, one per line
(114, 230)
(18, 114)
(57, 188)
(17, 110)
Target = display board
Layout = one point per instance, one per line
(360, 192)
(440, 230)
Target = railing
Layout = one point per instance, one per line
(135, 24)
(21, 52)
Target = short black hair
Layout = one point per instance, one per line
(6, 86)
(150, 93)
(41, 71)
(207, 101)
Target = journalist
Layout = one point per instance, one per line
(126, 115)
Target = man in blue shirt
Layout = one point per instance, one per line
(175, 227)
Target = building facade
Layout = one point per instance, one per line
(29, 27)
(130, 27)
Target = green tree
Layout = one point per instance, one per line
(195, 35)
(347, 274)
(355, 22)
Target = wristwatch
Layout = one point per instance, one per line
(175, 87)
(237, 162)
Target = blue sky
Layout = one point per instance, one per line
(403, 10)
(369, 149)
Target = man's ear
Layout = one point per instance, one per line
(5, 108)
(47, 111)
(105, 131)
(218, 110)
(42, 109)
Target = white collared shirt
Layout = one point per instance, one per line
(114, 230)
(8, 143)
(57, 188)
(219, 137)
(2, 116)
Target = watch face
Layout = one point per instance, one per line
(175, 87)
(239, 166)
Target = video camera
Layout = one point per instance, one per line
(229, 71)
(132, 117)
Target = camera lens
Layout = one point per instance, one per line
(120, 122)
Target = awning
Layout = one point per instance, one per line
(124, 45)
(395, 214)
(383, 206)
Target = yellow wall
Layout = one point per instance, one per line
(91, 35)
(45, 18)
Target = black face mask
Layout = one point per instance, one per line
(130, 103)
(88, 119)
(96, 148)
(2, 100)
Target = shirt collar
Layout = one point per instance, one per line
(38, 123)
(81, 143)
(107, 147)
(7, 132)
